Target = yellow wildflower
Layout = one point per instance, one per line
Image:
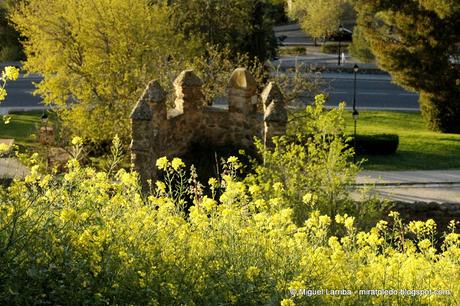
(162, 163)
(287, 302)
(348, 223)
(160, 186)
(252, 272)
(208, 203)
(4, 148)
(77, 141)
(212, 182)
(232, 159)
(424, 244)
(177, 163)
(6, 119)
(2, 93)
(11, 73)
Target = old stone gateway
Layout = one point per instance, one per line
(158, 131)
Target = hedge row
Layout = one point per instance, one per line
(380, 144)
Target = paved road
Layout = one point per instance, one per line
(20, 94)
(293, 35)
(372, 92)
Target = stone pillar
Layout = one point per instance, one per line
(189, 95)
(147, 119)
(47, 135)
(275, 114)
(242, 89)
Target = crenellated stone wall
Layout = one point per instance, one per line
(158, 131)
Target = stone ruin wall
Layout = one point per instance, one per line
(158, 131)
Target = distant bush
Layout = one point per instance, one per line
(380, 144)
(333, 48)
(293, 51)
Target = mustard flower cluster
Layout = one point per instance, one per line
(9, 73)
(87, 238)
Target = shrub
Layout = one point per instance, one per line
(310, 162)
(293, 51)
(333, 48)
(87, 238)
(380, 144)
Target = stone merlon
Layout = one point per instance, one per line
(157, 131)
(142, 111)
(188, 78)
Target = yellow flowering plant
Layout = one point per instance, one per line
(9, 73)
(87, 238)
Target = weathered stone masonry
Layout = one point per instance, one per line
(158, 131)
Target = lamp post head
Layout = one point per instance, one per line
(355, 68)
(355, 114)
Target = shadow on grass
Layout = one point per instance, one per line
(410, 160)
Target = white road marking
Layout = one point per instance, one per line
(372, 93)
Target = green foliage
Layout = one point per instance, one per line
(243, 25)
(416, 42)
(99, 54)
(293, 51)
(419, 148)
(360, 48)
(87, 238)
(298, 84)
(216, 66)
(320, 18)
(308, 169)
(333, 48)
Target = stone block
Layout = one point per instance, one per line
(158, 132)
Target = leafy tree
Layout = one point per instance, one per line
(10, 48)
(99, 55)
(320, 18)
(360, 48)
(416, 42)
(243, 25)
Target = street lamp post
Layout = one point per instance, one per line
(355, 112)
(340, 43)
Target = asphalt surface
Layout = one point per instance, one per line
(293, 35)
(372, 92)
(20, 94)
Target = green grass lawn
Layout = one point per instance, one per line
(23, 127)
(419, 148)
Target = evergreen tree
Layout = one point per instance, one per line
(416, 41)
